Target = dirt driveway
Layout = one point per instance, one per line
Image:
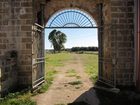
(70, 83)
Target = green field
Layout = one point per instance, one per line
(53, 61)
(18, 98)
(91, 64)
(90, 61)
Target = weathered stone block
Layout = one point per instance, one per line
(28, 46)
(26, 39)
(2, 46)
(117, 3)
(26, 16)
(3, 34)
(26, 28)
(26, 4)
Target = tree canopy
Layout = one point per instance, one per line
(57, 38)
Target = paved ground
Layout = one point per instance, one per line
(67, 89)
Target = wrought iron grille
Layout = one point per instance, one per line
(71, 18)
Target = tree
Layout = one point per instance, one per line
(57, 38)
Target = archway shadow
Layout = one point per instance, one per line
(95, 96)
(87, 98)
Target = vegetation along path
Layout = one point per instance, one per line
(69, 83)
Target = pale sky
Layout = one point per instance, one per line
(76, 37)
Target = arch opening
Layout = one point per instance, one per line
(71, 18)
(80, 28)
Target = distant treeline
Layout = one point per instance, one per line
(73, 49)
(76, 49)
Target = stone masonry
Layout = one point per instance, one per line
(116, 39)
(115, 19)
(122, 13)
(15, 36)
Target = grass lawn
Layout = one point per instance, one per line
(18, 98)
(53, 61)
(90, 61)
(56, 59)
(71, 73)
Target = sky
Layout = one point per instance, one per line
(78, 37)
(75, 37)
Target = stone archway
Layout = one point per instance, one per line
(114, 30)
(18, 21)
(101, 16)
(56, 6)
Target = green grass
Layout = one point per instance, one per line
(77, 82)
(71, 73)
(90, 60)
(91, 65)
(18, 98)
(49, 79)
(57, 59)
(53, 61)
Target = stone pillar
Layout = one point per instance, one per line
(15, 35)
(122, 13)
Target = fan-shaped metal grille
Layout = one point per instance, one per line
(71, 18)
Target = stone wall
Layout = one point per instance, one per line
(88, 6)
(15, 35)
(122, 13)
(7, 43)
(8, 73)
(116, 38)
(25, 43)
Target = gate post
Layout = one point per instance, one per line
(137, 56)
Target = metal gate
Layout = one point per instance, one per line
(106, 63)
(38, 59)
